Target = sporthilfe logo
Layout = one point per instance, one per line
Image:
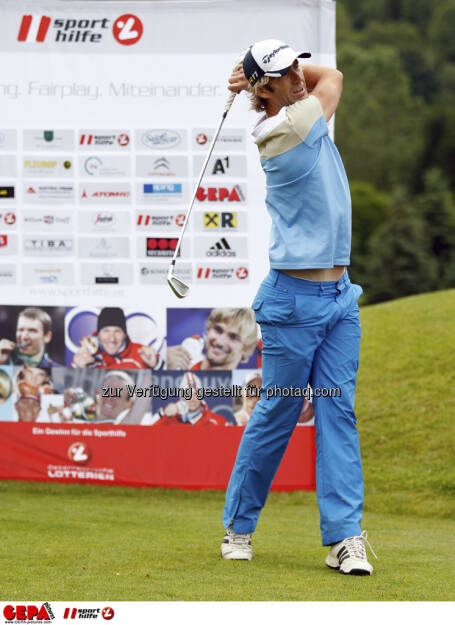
(79, 453)
(126, 29)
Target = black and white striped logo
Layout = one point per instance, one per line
(221, 249)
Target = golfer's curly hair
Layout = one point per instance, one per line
(258, 104)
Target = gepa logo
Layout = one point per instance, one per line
(28, 613)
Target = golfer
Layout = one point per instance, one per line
(306, 306)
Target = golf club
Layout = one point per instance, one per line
(180, 287)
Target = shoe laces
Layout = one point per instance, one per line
(355, 546)
(237, 539)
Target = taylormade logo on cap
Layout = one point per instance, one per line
(270, 57)
(267, 57)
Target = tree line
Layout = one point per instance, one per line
(395, 129)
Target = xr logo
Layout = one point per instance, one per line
(127, 29)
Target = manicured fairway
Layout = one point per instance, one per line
(93, 543)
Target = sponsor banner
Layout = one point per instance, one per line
(104, 247)
(156, 273)
(58, 193)
(104, 166)
(161, 247)
(161, 165)
(104, 140)
(48, 166)
(161, 192)
(8, 140)
(106, 273)
(228, 194)
(8, 244)
(161, 220)
(221, 166)
(42, 220)
(7, 195)
(229, 139)
(225, 274)
(47, 246)
(74, 30)
(37, 275)
(221, 247)
(225, 221)
(8, 220)
(92, 222)
(48, 140)
(115, 455)
(8, 166)
(161, 139)
(105, 193)
(7, 273)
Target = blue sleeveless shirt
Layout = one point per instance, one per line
(308, 194)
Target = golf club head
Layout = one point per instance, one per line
(178, 286)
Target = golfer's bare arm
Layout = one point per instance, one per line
(326, 84)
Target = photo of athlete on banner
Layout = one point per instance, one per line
(103, 340)
(31, 336)
(101, 397)
(208, 339)
(191, 399)
(24, 392)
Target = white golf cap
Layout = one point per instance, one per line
(270, 57)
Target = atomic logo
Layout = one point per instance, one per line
(79, 453)
(127, 29)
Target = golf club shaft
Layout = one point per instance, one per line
(227, 106)
(204, 167)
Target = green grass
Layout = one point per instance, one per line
(406, 405)
(75, 542)
(93, 543)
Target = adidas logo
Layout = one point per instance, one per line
(221, 248)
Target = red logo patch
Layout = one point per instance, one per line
(79, 453)
(127, 29)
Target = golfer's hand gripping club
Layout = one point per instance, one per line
(179, 287)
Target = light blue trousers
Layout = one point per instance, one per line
(310, 333)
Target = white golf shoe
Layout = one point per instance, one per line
(236, 546)
(349, 556)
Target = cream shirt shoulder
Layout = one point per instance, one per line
(303, 114)
(289, 127)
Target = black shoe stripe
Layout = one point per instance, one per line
(341, 552)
